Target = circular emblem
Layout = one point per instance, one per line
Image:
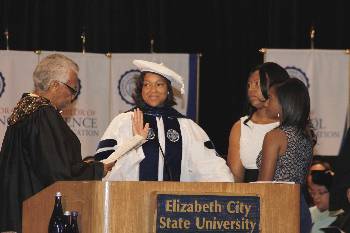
(126, 85)
(295, 72)
(150, 135)
(2, 84)
(173, 135)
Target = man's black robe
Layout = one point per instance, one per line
(39, 148)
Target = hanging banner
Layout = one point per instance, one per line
(106, 85)
(16, 69)
(326, 74)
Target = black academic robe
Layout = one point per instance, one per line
(38, 149)
(342, 222)
(341, 179)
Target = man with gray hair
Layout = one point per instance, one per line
(39, 148)
(57, 71)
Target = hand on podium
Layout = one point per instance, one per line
(107, 167)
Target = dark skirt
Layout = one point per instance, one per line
(305, 216)
(251, 175)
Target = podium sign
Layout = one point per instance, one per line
(157, 207)
(180, 213)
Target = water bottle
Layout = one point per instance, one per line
(56, 220)
(67, 227)
(74, 222)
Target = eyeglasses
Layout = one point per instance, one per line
(72, 90)
(159, 84)
(313, 194)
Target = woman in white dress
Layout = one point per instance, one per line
(247, 134)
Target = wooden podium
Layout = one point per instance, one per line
(110, 207)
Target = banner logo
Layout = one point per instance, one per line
(2, 84)
(126, 85)
(295, 72)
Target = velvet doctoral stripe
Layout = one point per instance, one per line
(149, 165)
(173, 149)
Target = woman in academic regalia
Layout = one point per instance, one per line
(169, 146)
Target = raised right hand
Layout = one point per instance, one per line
(137, 124)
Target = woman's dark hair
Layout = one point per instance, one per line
(137, 95)
(294, 99)
(323, 178)
(324, 164)
(270, 73)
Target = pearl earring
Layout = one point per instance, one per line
(278, 115)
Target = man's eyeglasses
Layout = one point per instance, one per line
(321, 193)
(72, 90)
